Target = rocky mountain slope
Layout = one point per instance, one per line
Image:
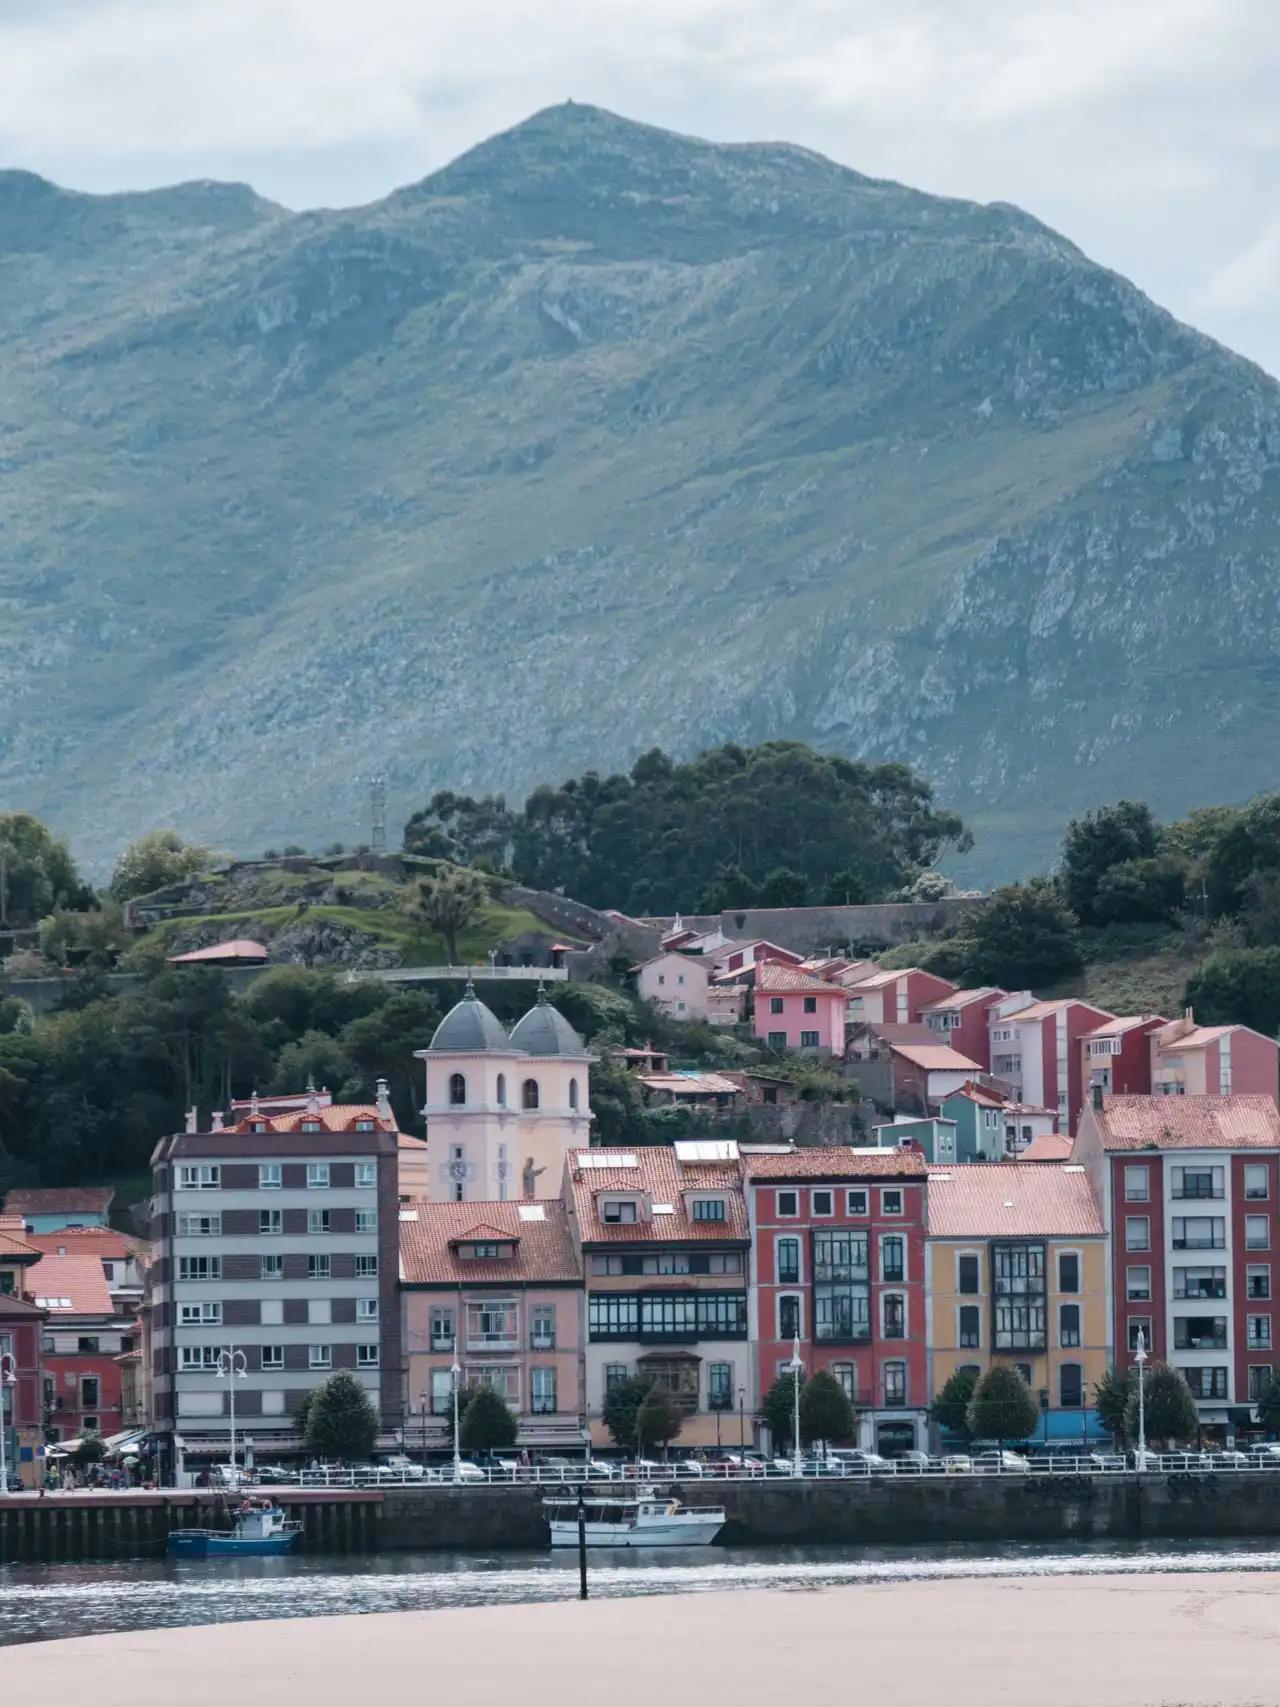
(599, 438)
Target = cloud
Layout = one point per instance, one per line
(1146, 130)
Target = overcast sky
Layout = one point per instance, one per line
(1146, 130)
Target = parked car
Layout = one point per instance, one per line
(602, 1469)
(1105, 1461)
(1192, 1460)
(689, 1467)
(858, 1462)
(1230, 1459)
(1268, 1454)
(1001, 1463)
(913, 1463)
(404, 1468)
(957, 1464)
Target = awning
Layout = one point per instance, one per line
(125, 1442)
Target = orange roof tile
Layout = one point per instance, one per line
(1126, 1022)
(333, 1117)
(1042, 1010)
(79, 1280)
(61, 1200)
(544, 1250)
(837, 1162)
(962, 999)
(1048, 1147)
(1188, 1123)
(16, 1249)
(663, 1178)
(772, 976)
(988, 1200)
(238, 948)
(91, 1241)
(936, 1057)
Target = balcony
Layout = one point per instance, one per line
(493, 1342)
(442, 1343)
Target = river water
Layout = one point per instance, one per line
(43, 1602)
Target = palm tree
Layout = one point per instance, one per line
(448, 903)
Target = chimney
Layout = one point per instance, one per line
(216, 1123)
(193, 1120)
(253, 1103)
(382, 1096)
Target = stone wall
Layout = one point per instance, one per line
(812, 930)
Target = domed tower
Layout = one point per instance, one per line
(472, 1104)
(553, 1097)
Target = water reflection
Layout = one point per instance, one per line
(42, 1602)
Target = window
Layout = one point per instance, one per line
(808, 1040)
(1255, 1181)
(615, 1375)
(87, 1343)
(1068, 1271)
(317, 1176)
(1257, 1280)
(271, 1312)
(317, 1220)
(788, 1203)
(198, 1226)
(1195, 1182)
(895, 1383)
(197, 1357)
(1071, 1386)
(270, 1176)
(788, 1316)
(970, 1335)
(892, 1258)
(200, 1178)
(273, 1357)
(441, 1392)
(617, 1211)
(366, 1309)
(319, 1268)
(777, 1040)
(319, 1357)
(685, 1316)
(1259, 1333)
(542, 1327)
(855, 1203)
(529, 1093)
(494, 1323)
(894, 1309)
(719, 1386)
(1068, 1324)
(502, 1090)
(189, 1316)
(1199, 1282)
(366, 1267)
(1259, 1381)
(320, 1310)
(709, 1209)
(457, 1089)
(788, 1261)
(542, 1391)
(199, 1268)
(1207, 1383)
(365, 1126)
(270, 1221)
(273, 1268)
(366, 1174)
(891, 1203)
(1018, 1296)
(366, 1357)
(1024, 1369)
(1137, 1285)
(775, 1004)
(441, 1329)
(366, 1220)
(679, 1379)
(89, 1400)
(1137, 1187)
(573, 1093)
(1137, 1233)
(1139, 1325)
(967, 1274)
(309, 1126)
(811, 1004)
(841, 1293)
(846, 1375)
(1256, 1234)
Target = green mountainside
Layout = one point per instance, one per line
(604, 438)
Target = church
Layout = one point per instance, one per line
(503, 1109)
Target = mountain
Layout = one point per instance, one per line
(600, 438)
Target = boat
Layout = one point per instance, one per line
(259, 1526)
(642, 1519)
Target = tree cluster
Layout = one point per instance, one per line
(826, 1415)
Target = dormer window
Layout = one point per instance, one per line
(490, 1250)
(310, 1126)
(618, 1211)
(364, 1126)
(708, 1209)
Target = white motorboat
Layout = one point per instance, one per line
(639, 1519)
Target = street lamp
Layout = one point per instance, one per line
(456, 1372)
(1140, 1358)
(423, 1397)
(8, 1378)
(796, 1367)
(742, 1427)
(232, 1366)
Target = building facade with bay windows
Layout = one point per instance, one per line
(665, 1243)
(1016, 1273)
(838, 1264)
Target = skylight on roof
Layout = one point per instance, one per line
(408, 1214)
(532, 1212)
(1073, 1167)
(706, 1149)
(609, 1159)
(664, 1209)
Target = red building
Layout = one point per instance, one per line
(83, 1337)
(895, 998)
(1036, 1051)
(1117, 1055)
(838, 1242)
(1189, 1187)
(961, 1019)
(21, 1330)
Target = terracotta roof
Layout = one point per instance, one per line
(92, 1241)
(877, 980)
(1188, 1123)
(663, 1179)
(692, 1084)
(1048, 1147)
(429, 1244)
(891, 1031)
(986, 1200)
(406, 1141)
(15, 1249)
(1042, 1010)
(1200, 1038)
(335, 1117)
(774, 978)
(61, 1200)
(1126, 1022)
(936, 1057)
(963, 999)
(977, 1093)
(837, 1162)
(238, 948)
(79, 1280)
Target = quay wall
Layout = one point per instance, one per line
(879, 1511)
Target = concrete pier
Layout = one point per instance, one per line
(1109, 1641)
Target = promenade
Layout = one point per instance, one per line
(1197, 1639)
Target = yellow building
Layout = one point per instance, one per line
(1016, 1273)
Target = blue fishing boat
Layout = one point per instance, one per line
(259, 1526)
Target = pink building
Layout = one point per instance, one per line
(795, 1011)
(742, 956)
(1212, 1060)
(961, 1019)
(1117, 1054)
(1036, 1050)
(896, 998)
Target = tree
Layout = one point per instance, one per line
(657, 1420)
(729, 888)
(1111, 1401)
(302, 1411)
(487, 1424)
(1002, 1407)
(1248, 847)
(39, 873)
(468, 832)
(777, 1409)
(847, 888)
(1239, 986)
(950, 1408)
(1111, 836)
(448, 903)
(156, 860)
(784, 888)
(89, 1450)
(1025, 935)
(342, 1421)
(825, 1411)
(1141, 889)
(621, 1405)
(94, 938)
(1170, 1411)
(1269, 1406)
